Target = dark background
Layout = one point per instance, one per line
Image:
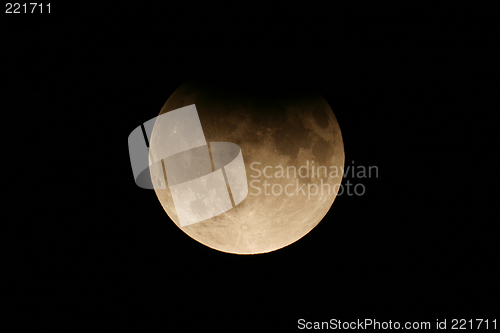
(409, 86)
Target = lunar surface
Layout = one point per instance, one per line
(293, 154)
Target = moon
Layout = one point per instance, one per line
(293, 153)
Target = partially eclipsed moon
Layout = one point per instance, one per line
(291, 142)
